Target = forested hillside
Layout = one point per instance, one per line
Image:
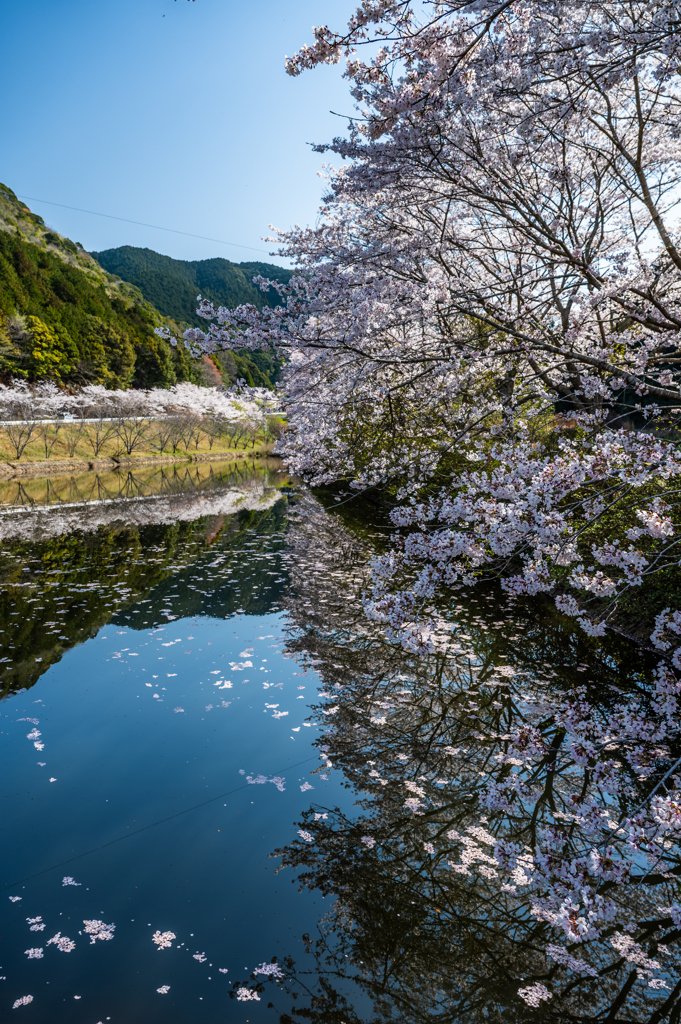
(172, 286)
(65, 319)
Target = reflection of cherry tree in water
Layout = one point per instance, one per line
(517, 846)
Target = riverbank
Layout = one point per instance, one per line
(60, 467)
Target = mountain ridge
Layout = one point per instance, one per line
(65, 317)
(172, 285)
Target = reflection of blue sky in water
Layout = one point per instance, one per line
(123, 758)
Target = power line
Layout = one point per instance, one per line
(128, 835)
(142, 224)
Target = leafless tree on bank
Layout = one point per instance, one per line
(49, 435)
(18, 434)
(99, 430)
(131, 433)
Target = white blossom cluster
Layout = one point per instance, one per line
(246, 995)
(63, 943)
(47, 401)
(270, 971)
(98, 930)
(163, 940)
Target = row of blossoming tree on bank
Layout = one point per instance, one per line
(45, 420)
(487, 320)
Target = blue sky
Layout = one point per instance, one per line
(171, 112)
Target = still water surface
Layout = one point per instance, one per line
(175, 640)
(150, 660)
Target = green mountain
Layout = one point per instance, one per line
(173, 285)
(64, 318)
(67, 317)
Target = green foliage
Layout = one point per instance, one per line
(52, 238)
(172, 286)
(155, 366)
(59, 322)
(14, 210)
(275, 426)
(112, 355)
(50, 352)
(258, 369)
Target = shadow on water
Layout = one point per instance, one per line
(422, 923)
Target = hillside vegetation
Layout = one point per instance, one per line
(63, 318)
(66, 318)
(172, 286)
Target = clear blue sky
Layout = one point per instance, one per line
(171, 112)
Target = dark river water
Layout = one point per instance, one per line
(193, 699)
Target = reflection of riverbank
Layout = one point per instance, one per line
(210, 550)
(49, 507)
(15, 472)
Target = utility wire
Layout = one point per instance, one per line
(142, 223)
(128, 835)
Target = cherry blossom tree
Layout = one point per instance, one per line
(487, 312)
(130, 421)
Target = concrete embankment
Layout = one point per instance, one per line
(59, 467)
